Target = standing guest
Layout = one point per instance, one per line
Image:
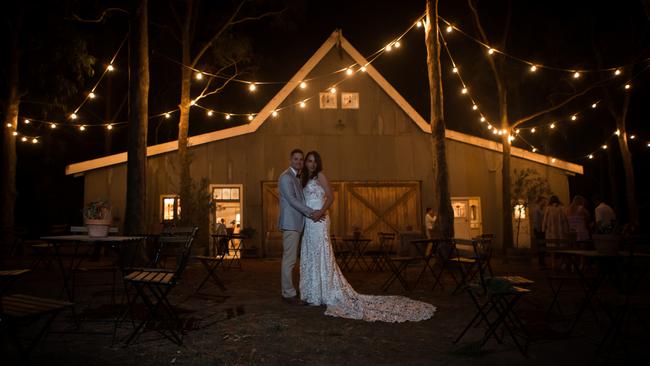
(604, 215)
(555, 224)
(430, 220)
(578, 218)
(538, 231)
(221, 230)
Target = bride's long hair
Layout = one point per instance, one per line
(305, 176)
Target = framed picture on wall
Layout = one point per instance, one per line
(350, 100)
(327, 100)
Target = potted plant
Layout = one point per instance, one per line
(97, 218)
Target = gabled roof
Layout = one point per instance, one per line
(274, 103)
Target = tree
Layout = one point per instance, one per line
(442, 200)
(136, 179)
(505, 122)
(47, 62)
(527, 187)
(229, 53)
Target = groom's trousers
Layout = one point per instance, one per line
(290, 240)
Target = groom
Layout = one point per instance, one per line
(292, 221)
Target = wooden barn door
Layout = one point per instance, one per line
(371, 206)
(377, 207)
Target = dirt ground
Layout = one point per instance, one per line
(249, 324)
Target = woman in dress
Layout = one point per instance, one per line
(555, 223)
(578, 218)
(321, 280)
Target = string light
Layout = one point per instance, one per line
(109, 127)
(91, 95)
(333, 90)
(15, 133)
(533, 68)
(576, 75)
(303, 85)
(463, 91)
(9, 125)
(363, 69)
(594, 105)
(82, 128)
(252, 87)
(534, 149)
(449, 28)
(632, 137)
(389, 47)
(348, 71)
(474, 107)
(591, 156)
(482, 119)
(604, 147)
(617, 133)
(490, 51)
(532, 130)
(27, 121)
(574, 117)
(553, 160)
(167, 115)
(397, 44)
(302, 104)
(250, 117)
(617, 72)
(52, 125)
(227, 116)
(274, 114)
(192, 102)
(110, 67)
(627, 86)
(23, 139)
(419, 24)
(210, 113)
(198, 75)
(552, 125)
(73, 116)
(454, 70)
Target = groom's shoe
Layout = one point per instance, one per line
(294, 301)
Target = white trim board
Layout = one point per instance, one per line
(335, 38)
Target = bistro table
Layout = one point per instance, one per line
(235, 244)
(606, 266)
(357, 246)
(115, 242)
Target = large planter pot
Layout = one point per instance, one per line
(98, 228)
(608, 244)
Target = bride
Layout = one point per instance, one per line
(321, 280)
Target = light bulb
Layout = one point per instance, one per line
(389, 47)
(617, 133)
(110, 68)
(419, 24)
(15, 133)
(250, 117)
(348, 71)
(495, 131)
(73, 116)
(192, 102)
(552, 125)
(167, 115)
(210, 113)
(9, 125)
(82, 128)
(490, 51)
(474, 107)
(591, 156)
(510, 138)
(27, 121)
(534, 150)
(52, 125)
(533, 68)
(274, 114)
(302, 104)
(532, 130)
(574, 117)
(24, 139)
(604, 147)
(333, 90)
(632, 137)
(363, 69)
(91, 95)
(449, 29)
(397, 44)
(35, 140)
(227, 116)
(303, 85)
(109, 127)
(593, 106)
(553, 160)
(464, 91)
(627, 86)
(482, 119)
(454, 70)
(517, 131)
(617, 72)
(198, 75)
(252, 87)
(576, 75)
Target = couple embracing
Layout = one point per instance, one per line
(305, 196)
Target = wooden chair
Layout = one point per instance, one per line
(211, 263)
(153, 286)
(18, 310)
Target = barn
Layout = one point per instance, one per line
(375, 148)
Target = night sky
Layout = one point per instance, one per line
(560, 34)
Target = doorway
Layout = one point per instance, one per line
(467, 217)
(227, 208)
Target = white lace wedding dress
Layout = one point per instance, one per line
(322, 283)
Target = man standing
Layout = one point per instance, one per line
(605, 216)
(430, 220)
(292, 221)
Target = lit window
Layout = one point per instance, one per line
(519, 212)
(171, 208)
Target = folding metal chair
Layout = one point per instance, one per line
(211, 263)
(377, 256)
(341, 252)
(398, 265)
(18, 309)
(153, 287)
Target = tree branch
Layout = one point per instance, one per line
(242, 20)
(217, 35)
(553, 108)
(101, 17)
(230, 78)
(169, 29)
(506, 28)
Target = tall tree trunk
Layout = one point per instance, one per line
(8, 183)
(442, 200)
(506, 201)
(184, 117)
(630, 186)
(136, 178)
